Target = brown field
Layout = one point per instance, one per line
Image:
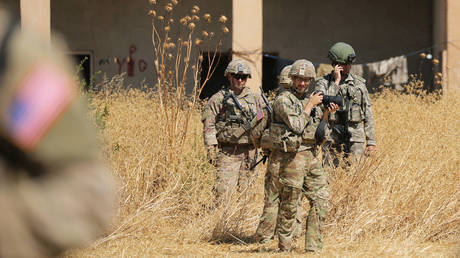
(402, 201)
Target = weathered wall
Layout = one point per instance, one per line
(115, 28)
(376, 29)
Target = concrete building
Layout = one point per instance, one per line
(116, 35)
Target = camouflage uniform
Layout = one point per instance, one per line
(54, 191)
(360, 119)
(223, 126)
(268, 219)
(293, 159)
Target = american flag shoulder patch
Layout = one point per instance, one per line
(42, 96)
(260, 114)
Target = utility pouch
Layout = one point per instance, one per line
(283, 139)
(355, 114)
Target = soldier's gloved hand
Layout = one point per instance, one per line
(212, 153)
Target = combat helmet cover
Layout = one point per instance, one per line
(238, 66)
(302, 68)
(342, 53)
(284, 75)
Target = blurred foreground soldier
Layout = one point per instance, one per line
(293, 158)
(226, 119)
(352, 126)
(54, 192)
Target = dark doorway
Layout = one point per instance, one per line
(217, 79)
(272, 65)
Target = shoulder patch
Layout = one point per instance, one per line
(44, 94)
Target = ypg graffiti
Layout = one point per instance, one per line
(128, 62)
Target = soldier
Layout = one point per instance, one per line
(266, 229)
(226, 119)
(54, 191)
(284, 80)
(293, 157)
(347, 132)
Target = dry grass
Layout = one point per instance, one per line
(403, 201)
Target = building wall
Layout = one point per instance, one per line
(110, 29)
(376, 29)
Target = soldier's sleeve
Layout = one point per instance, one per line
(292, 115)
(321, 84)
(208, 118)
(71, 203)
(368, 118)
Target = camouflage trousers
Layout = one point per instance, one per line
(268, 220)
(301, 173)
(232, 165)
(333, 153)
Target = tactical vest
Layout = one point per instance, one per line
(282, 138)
(230, 122)
(351, 91)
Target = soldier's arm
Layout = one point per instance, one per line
(368, 118)
(292, 116)
(209, 116)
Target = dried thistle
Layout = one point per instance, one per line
(439, 74)
(423, 55)
(160, 18)
(171, 45)
(195, 9)
(191, 26)
(152, 2)
(188, 18)
(201, 58)
(167, 28)
(211, 34)
(225, 29)
(183, 21)
(169, 7)
(115, 60)
(198, 42)
(207, 16)
(435, 61)
(152, 13)
(185, 44)
(205, 34)
(195, 18)
(174, 2)
(222, 19)
(170, 56)
(171, 20)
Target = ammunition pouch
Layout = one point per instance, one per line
(283, 139)
(234, 131)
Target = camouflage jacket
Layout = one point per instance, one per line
(361, 121)
(223, 120)
(288, 110)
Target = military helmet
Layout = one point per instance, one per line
(284, 76)
(238, 66)
(302, 68)
(342, 53)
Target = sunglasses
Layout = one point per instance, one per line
(240, 76)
